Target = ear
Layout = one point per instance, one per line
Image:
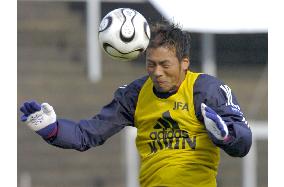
(185, 64)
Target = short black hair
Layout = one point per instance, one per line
(170, 35)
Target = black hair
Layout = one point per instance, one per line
(172, 36)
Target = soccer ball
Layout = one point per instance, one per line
(124, 34)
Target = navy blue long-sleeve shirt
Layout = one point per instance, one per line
(119, 113)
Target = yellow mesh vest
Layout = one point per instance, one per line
(173, 145)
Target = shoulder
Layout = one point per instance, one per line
(131, 89)
(138, 83)
(127, 95)
(205, 81)
(213, 92)
(123, 105)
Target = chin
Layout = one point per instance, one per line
(162, 90)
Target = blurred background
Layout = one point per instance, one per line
(53, 67)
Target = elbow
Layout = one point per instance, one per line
(241, 151)
(82, 149)
(241, 146)
(87, 141)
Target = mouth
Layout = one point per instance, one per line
(160, 82)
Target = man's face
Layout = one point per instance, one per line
(164, 68)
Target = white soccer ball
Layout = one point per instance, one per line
(124, 34)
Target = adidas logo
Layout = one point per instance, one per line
(168, 135)
(166, 121)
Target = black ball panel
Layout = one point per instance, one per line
(115, 53)
(105, 27)
(127, 30)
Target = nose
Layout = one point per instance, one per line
(158, 71)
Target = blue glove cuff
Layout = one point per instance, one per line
(48, 131)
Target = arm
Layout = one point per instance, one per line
(219, 97)
(112, 118)
(90, 132)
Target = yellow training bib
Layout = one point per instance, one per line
(174, 147)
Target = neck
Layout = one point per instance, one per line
(181, 79)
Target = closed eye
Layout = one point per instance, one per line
(165, 64)
(151, 64)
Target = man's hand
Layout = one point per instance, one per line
(40, 118)
(214, 123)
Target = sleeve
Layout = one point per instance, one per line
(112, 118)
(219, 97)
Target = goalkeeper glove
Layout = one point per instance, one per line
(214, 123)
(39, 118)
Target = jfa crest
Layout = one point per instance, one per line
(180, 106)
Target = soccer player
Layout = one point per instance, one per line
(182, 118)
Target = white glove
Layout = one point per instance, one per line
(37, 117)
(214, 123)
